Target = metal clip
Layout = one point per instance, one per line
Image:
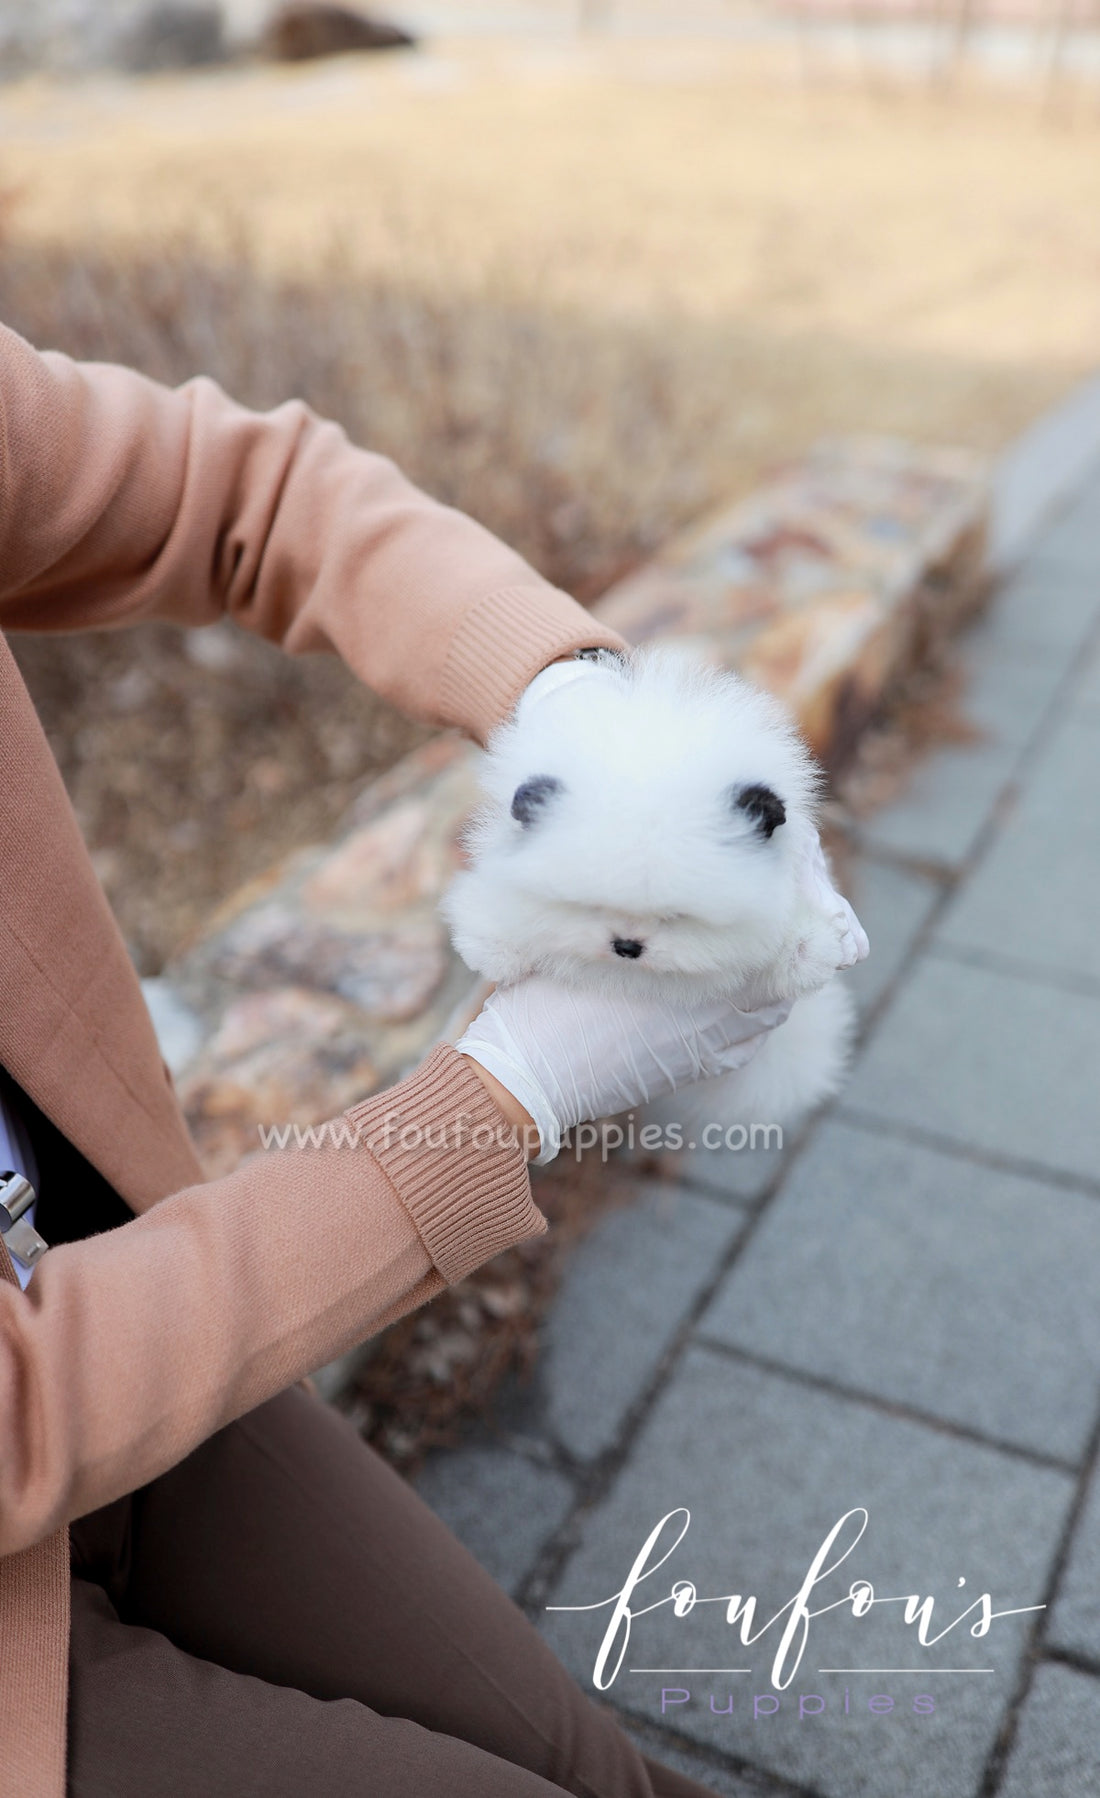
(16, 1194)
(21, 1239)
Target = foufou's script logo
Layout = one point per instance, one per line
(792, 1621)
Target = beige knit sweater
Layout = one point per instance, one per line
(119, 501)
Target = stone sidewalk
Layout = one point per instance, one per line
(899, 1313)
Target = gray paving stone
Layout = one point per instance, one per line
(931, 1281)
(1086, 697)
(1073, 535)
(1010, 680)
(625, 1293)
(953, 792)
(948, 800)
(1055, 457)
(988, 1059)
(1083, 497)
(767, 1467)
(722, 1782)
(738, 1175)
(1059, 578)
(1013, 660)
(1075, 1620)
(1057, 1751)
(892, 905)
(500, 1505)
(1033, 897)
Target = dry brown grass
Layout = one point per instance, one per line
(656, 180)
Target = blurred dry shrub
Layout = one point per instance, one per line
(578, 441)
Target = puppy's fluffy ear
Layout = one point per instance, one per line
(765, 808)
(532, 796)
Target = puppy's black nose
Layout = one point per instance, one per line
(627, 947)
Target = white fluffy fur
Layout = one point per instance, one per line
(641, 841)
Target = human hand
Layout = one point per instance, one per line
(849, 934)
(825, 936)
(561, 673)
(566, 1055)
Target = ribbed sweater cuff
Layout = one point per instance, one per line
(453, 1162)
(501, 645)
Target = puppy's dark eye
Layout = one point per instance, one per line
(532, 796)
(764, 807)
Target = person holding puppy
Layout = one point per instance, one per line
(208, 1583)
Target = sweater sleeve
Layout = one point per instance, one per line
(130, 1348)
(122, 500)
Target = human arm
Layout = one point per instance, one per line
(509, 1106)
(122, 500)
(129, 1348)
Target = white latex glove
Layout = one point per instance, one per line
(569, 1055)
(555, 675)
(853, 945)
(837, 939)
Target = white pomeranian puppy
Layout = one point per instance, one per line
(649, 824)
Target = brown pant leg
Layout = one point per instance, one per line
(148, 1721)
(283, 1548)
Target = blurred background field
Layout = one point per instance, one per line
(582, 285)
